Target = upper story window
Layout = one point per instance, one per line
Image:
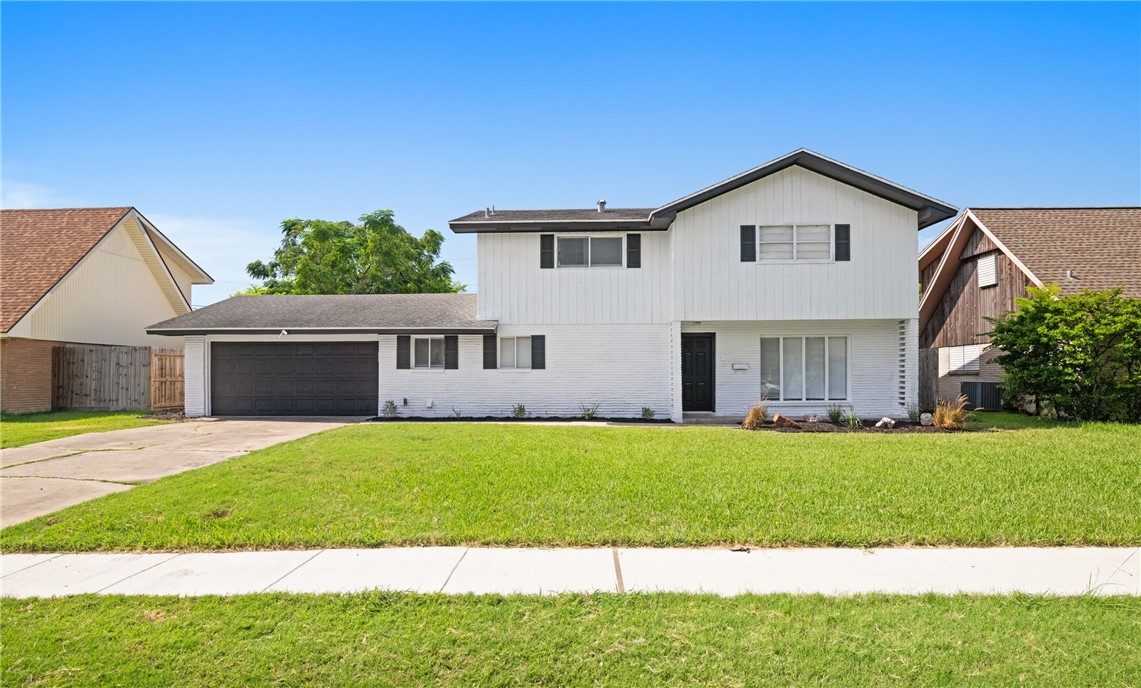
(794, 242)
(428, 352)
(988, 275)
(589, 252)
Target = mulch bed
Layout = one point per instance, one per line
(175, 414)
(509, 419)
(900, 426)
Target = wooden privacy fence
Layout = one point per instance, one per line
(168, 381)
(116, 377)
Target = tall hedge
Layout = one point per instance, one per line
(1079, 355)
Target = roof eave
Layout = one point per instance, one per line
(490, 328)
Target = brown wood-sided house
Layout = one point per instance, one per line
(90, 276)
(986, 259)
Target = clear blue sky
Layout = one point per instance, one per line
(219, 120)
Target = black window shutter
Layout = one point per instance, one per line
(748, 243)
(633, 250)
(403, 352)
(843, 242)
(538, 351)
(546, 250)
(490, 354)
(451, 352)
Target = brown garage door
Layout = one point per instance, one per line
(293, 379)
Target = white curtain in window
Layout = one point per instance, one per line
(770, 367)
(606, 251)
(813, 242)
(507, 352)
(572, 252)
(775, 243)
(793, 373)
(814, 362)
(522, 352)
(423, 348)
(837, 367)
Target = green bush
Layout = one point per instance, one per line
(1077, 355)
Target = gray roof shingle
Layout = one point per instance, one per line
(364, 313)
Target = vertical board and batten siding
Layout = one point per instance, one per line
(874, 353)
(712, 283)
(194, 364)
(101, 377)
(513, 288)
(960, 317)
(110, 297)
(620, 368)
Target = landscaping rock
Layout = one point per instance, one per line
(926, 419)
(811, 419)
(783, 422)
(886, 422)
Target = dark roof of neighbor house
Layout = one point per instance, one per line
(39, 247)
(930, 210)
(333, 314)
(1075, 248)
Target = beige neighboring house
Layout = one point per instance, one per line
(93, 276)
(986, 259)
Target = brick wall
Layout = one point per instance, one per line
(25, 375)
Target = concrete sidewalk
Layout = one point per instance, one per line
(457, 570)
(40, 478)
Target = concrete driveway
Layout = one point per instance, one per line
(38, 479)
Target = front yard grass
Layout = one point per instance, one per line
(384, 484)
(398, 639)
(26, 428)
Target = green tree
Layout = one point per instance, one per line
(1079, 354)
(376, 256)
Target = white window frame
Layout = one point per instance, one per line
(590, 251)
(514, 339)
(969, 357)
(432, 343)
(803, 367)
(990, 259)
(795, 243)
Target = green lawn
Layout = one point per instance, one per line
(394, 639)
(503, 484)
(19, 429)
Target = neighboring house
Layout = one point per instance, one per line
(85, 276)
(987, 258)
(793, 281)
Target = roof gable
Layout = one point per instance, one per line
(929, 209)
(39, 247)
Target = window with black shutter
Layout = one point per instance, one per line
(403, 352)
(490, 354)
(538, 352)
(546, 251)
(633, 250)
(451, 352)
(748, 243)
(844, 242)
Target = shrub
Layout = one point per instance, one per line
(647, 413)
(951, 415)
(389, 410)
(519, 411)
(457, 412)
(1079, 354)
(588, 412)
(835, 413)
(756, 416)
(913, 413)
(854, 420)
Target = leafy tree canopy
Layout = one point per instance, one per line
(1079, 355)
(376, 256)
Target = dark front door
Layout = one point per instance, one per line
(293, 379)
(697, 372)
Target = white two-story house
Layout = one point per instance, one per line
(794, 282)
